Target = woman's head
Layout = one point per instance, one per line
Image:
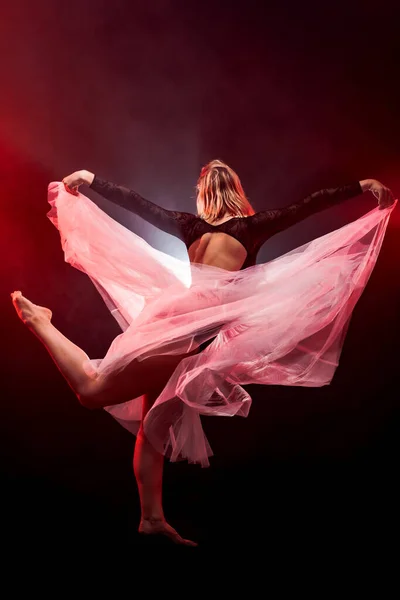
(220, 193)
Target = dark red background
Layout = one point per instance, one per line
(294, 99)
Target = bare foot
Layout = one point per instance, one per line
(29, 313)
(161, 527)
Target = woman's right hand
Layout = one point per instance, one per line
(73, 181)
(383, 194)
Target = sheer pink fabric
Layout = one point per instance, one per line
(283, 322)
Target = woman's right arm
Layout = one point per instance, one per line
(169, 221)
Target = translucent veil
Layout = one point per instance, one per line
(282, 322)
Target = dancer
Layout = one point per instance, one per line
(187, 346)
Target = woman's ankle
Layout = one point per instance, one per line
(155, 517)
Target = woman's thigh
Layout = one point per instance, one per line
(147, 377)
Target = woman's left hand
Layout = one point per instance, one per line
(77, 178)
(380, 191)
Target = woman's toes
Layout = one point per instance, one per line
(28, 312)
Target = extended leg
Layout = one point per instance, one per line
(138, 377)
(67, 356)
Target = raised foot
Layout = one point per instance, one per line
(160, 527)
(29, 313)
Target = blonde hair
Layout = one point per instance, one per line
(219, 192)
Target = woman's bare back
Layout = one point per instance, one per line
(218, 249)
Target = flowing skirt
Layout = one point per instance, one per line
(281, 323)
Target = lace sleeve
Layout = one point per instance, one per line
(266, 223)
(169, 221)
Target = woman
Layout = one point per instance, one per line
(193, 334)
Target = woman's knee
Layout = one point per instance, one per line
(87, 401)
(92, 396)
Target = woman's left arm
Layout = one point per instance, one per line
(268, 222)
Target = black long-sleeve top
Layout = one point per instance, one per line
(250, 231)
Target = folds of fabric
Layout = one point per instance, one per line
(283, 322)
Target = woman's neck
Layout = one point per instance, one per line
(223, 219)
(219, 222)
